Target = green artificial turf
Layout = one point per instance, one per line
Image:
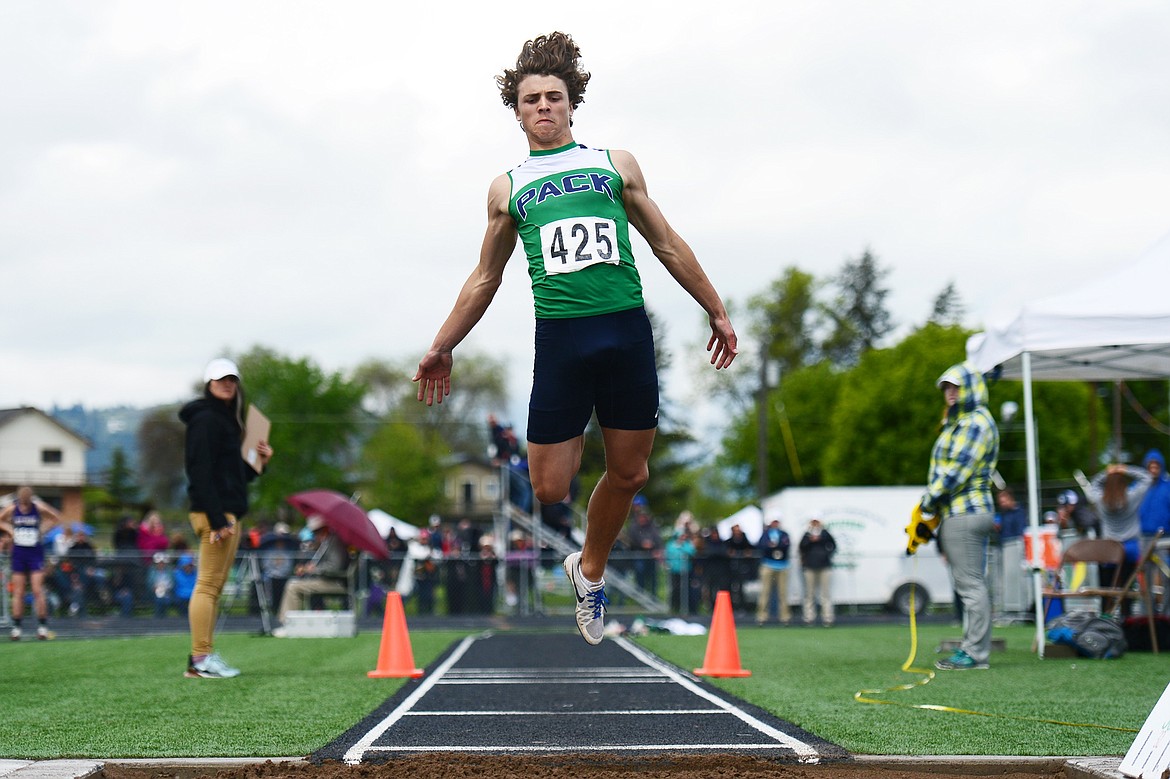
(125, 698)
(128, 697)
(809, 676)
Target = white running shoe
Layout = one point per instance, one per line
(591, 601)
(44, 634)
(15, 634)
(210, 667)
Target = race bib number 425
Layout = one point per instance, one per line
(572, 244)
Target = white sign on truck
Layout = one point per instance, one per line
(871, 566)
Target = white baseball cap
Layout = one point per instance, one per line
(218, 368)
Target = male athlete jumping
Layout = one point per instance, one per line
(572, 207)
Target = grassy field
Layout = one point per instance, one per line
(123, 698)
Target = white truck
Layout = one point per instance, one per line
(871, 566)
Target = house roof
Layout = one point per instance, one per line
(8, 415)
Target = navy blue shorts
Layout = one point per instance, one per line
(599, 363)
(28, 559)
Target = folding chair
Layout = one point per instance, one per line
(1108, 553)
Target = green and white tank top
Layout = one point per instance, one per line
(568, 209)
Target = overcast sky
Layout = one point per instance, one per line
(182, 179)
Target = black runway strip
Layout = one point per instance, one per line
(551, 693)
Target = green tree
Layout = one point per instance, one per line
(478, 386)
(1063, 410)
(405, 473)
(161, 446)
(888, 411)
(798, 415)
(120, 479)
(1144, 414)
(948, 308)
(858, 317)
(316, 418)
(783, 319)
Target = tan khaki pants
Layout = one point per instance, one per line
(773, 579)
(215, 563)
(296, 590)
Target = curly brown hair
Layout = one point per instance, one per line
(554, 54)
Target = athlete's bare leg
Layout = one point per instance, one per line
(19, 583)
(552, 467)
(40, 604)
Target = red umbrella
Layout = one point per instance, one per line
(343, 517)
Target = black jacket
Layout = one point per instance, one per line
(217, 475)
(817, 555)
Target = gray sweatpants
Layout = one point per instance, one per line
(963, 539)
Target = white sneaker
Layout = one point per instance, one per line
(280, 632)
(15, 634)
(44, 634)
(210, 667)
(591, 601)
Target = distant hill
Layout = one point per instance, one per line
(108, 429)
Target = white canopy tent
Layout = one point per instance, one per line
(385, 522)
(1109, 328)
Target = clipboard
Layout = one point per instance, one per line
(256, 427)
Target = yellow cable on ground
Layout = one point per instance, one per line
(862, 696)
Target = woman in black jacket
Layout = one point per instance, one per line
(217, 484)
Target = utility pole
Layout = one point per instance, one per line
(762, 430)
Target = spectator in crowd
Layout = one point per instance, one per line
(152, 537)
(27, 520)
(278, 551)
(741, 557)
(126, 534)
(958, 492)
(63, 540)
(774, 547)
(715, 575)
(504, 443)
(483, 576)
(435, 533)
(519, 574)
(520, 484)
(1077, 515)
(1117, 493)
(217, 486)
(817, 548)
(646, 545)
(78, 575)
(1155, 509)
(161, 581)
(1155, 516)
(426, 573)
(1011, 519)
(679, 554)
(186, 575)
(326, 573)
(127, 575)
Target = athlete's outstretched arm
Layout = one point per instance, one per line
(678, 258)
(434, 370)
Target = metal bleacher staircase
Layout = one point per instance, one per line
(615, 581)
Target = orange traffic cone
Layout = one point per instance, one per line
(722, 658)
(395, 659)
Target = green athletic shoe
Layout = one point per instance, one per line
(960, 661)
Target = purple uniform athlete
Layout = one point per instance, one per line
(27, 519)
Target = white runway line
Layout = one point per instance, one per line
(656, 672)
(353, 755)
(804, 752)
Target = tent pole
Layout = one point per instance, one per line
(1033, 499)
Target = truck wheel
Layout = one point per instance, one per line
(901, 600)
